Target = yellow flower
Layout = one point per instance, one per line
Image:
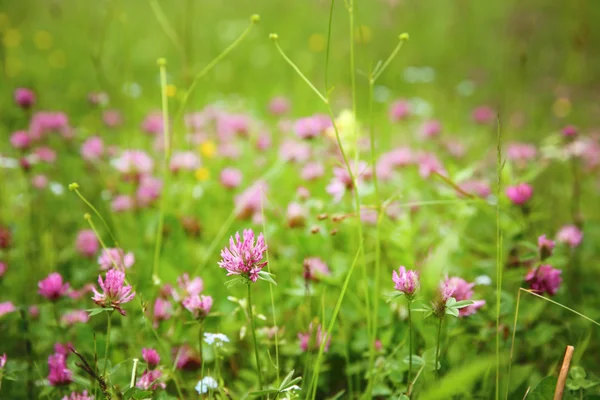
(202, 174)
(208, 149)
(347, 128)
(316, 42)
(171, 90)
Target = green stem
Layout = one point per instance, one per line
(200, 339)
(437, 349)
(250, 312)
(95, 210)
(107, 348)
(499, 263)
(410, 351)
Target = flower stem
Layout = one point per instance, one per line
(409, 349)
(108, 326)
(254, 337)
(437, 349)
(200, 337)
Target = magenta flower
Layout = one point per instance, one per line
(342, 180)
(39, 181)
(519, 194)
(59, 374)
(153, 123)
(571, 235)
(114, 257)
(2, 361)
(3, 268)
(279, 105)
(20, 140)
(134, 162)
(75, 317)
(44, 122)
(87, 243)
(478, 187)
(191, 287)
(92, 149)
(312, 127)
(310, 341)
(244, 256)
(6, 308)
(296, 215)
(249, 202)
(148, 190)
(428, 164)
(431, 129)
(569, 131)
(199, 306)
(294, 151)
(483, 115)
(151, 357)
(25, 98)
(312, 171)
(521, 153)
(544, 279)
(79, 396)
(53, 287)
(406, 281)
(34, 312)
(45, 154)
(546, 246)
(149, 380)
(231, 177)
(112, 118)
(187, 358)
(115, 293)
(314, 268)
(163, 309)
(122, 203)
(184, 160)
(461, 290)
(399, 110)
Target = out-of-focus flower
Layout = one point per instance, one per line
(544, 279)
(134, 162)
(92, 149)
(34, 311)
(115, 257)
(296, 215)
(310, 341)
(406, 281)
(6, 308)
(294, 151)
(122, 203)
(3, 268)
(151, 357)
(483, 115)
(186, 358)
(312, 171)
(184, 160)
(546, 246)
(521, 153)
(399, 110)
(249, 202)
(207, 383)
(314, 268)
(45, 154)
(480, 188)
(190, 286)
(569, 131)
(231, 177)
(87, 243)
(24, 98)
(519, 194)
(59, 374)
(150, 380)
(114, 292)
(279, 105)
(163, 310)
(148, 190)
(431, 129)
(2, 361)
(199, 306)
(20, 140)
(79, 396)
(153, 123)
(217, 339)
(342, 180)
(244, 256)
(74, 317)
(39, 181)
(428, 164)
(571, 235)
(44, 122)
(461, 290)
(112, 118)
(312, 127)
(53, 287)
(5, 237)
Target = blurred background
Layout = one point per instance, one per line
(534, 57)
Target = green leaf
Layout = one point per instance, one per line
(544, 390)
(463, 303)
(265, 276)
(96, 311)
(452, 311)
(577, 373)
(264, 392)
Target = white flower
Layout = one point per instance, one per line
(215, 338)
(208, 382)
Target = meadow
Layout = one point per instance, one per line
(303, 199)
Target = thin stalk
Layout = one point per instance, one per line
(437, 349)
(133, 373)
(162, 63)
(410, 351)
(251, 315)
(95, 210)
(107, 347)
(200, 339)
(512, 344)
(378, 71)
(412, 384)
(498, 252)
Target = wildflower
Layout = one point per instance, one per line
(571, 235)
(151, 357)
(249, 202)
(480, 188)
(546, 246)
(230, 177)
(199, 306)
(406, 281)
(296, 215)
(461, 290)
(431, 129)
(20, 140)
(114, 257)
(45, 154)
(519, 194)
(186, 358)
(191, 287)
(399, 110)
(39, 181)
(279, 105)
(77, 294)
(312, 171)
(294, 151)
(134, 162)
(25, 98)
(3, 268)
(79, 396)
(75, 317)
(162, 310)
(122, 203)
(114, 292)
(308, 342)
(148, 190)
(303, 193)
(98, 98)
(215, 338)
(342, 180)
(59, 374)
(244, 257)
(569, 131)
(207, 383)
(53, 287)
(544, 279)
(112, 118)
(314, 267)
(184, 160)
(44, 122)
(263, 142)
(521, 153)
(483, 115)
(6, 308)
(312, 127)
(428, 164)
(34, 311)
(87, 243)
(153, 123)
(2, 361)
(149, 380)
(92, 149)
